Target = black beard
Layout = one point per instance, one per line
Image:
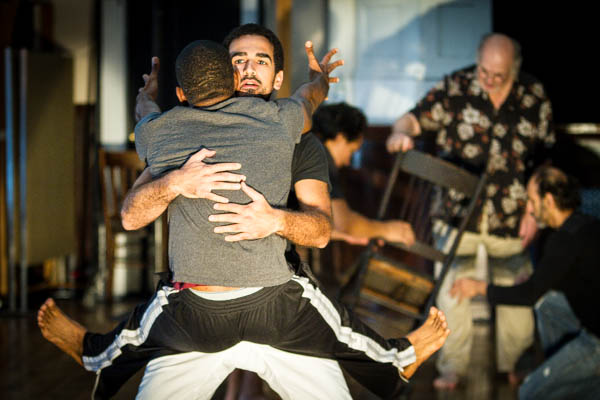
(265, 97)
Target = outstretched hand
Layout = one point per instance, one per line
(255, 220)
(466, 288)
(151, 80)
(324, 67)
(145, 102)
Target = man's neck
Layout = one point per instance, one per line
(558, 218)
(498, 98)
(210, 102)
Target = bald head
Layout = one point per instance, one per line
(498, 61)
(503, 47)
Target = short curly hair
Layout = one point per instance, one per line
(204, 71)
(331, 119)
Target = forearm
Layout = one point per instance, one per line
(145, 202)
(311, 95)
(310, 228)
(144, 105)
(407, 124)
(352, 223)
(359, 225)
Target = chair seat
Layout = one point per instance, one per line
(431, 187)
(423, 250)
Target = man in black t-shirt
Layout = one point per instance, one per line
(564, 288)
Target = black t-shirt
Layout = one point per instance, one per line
(337, 191)
(570, 263)
(308, 162)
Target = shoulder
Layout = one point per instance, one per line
(581, 225)
(531, 85)
(310, 148)
(467, 72)
(287, 103)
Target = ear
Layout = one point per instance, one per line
(278, 80)
(180, 95)
(549, 201)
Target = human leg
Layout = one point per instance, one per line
(197, 375)
(115, 356)
(61, 330)
(322, 326)
(515, 325)
(572, 372)
(454, 357)
(555, 320)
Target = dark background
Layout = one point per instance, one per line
(559, 46)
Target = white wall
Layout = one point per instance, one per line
(394, 51)
(113, 74)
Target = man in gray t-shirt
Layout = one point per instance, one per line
(261, 136)
(273, 330)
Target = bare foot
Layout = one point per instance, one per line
(427, 339)
(61, 330)
(447, 381)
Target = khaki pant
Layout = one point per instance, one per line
(514, 324)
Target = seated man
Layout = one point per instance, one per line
(341, 128)
(266, 328)
(568, 321)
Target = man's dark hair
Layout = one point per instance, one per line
(564, 188)
(204, 71)
(331, 119)
(258, 30)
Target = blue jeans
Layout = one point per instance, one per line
(572, 366)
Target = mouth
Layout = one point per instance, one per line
(249, 84)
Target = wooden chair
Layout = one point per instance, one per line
(394, 276)
(118, 171)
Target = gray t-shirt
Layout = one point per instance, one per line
(258, 134)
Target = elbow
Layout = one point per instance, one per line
(322, 242)
(127, 222)
(323, 239)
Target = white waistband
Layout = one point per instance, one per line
(226, 295)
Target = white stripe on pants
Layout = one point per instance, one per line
(292, 376)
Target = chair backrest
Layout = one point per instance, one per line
(434, 190)
(118, 171)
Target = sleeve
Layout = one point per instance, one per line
(310, 161)
(141, 132)
(337, 191)
(430, 110)
(558, 257)
(292, 116)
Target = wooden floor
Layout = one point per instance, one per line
(32, 368)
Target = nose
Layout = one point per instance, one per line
(249, 69)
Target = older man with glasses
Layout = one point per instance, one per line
(489, 116)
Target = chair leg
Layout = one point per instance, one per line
(110, 268)
(350, 292)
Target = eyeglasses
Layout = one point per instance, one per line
(497, 78)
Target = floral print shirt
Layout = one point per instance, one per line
(468, 129)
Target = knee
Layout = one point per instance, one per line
(526, 391)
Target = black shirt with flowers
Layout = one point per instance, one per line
(469, 130)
